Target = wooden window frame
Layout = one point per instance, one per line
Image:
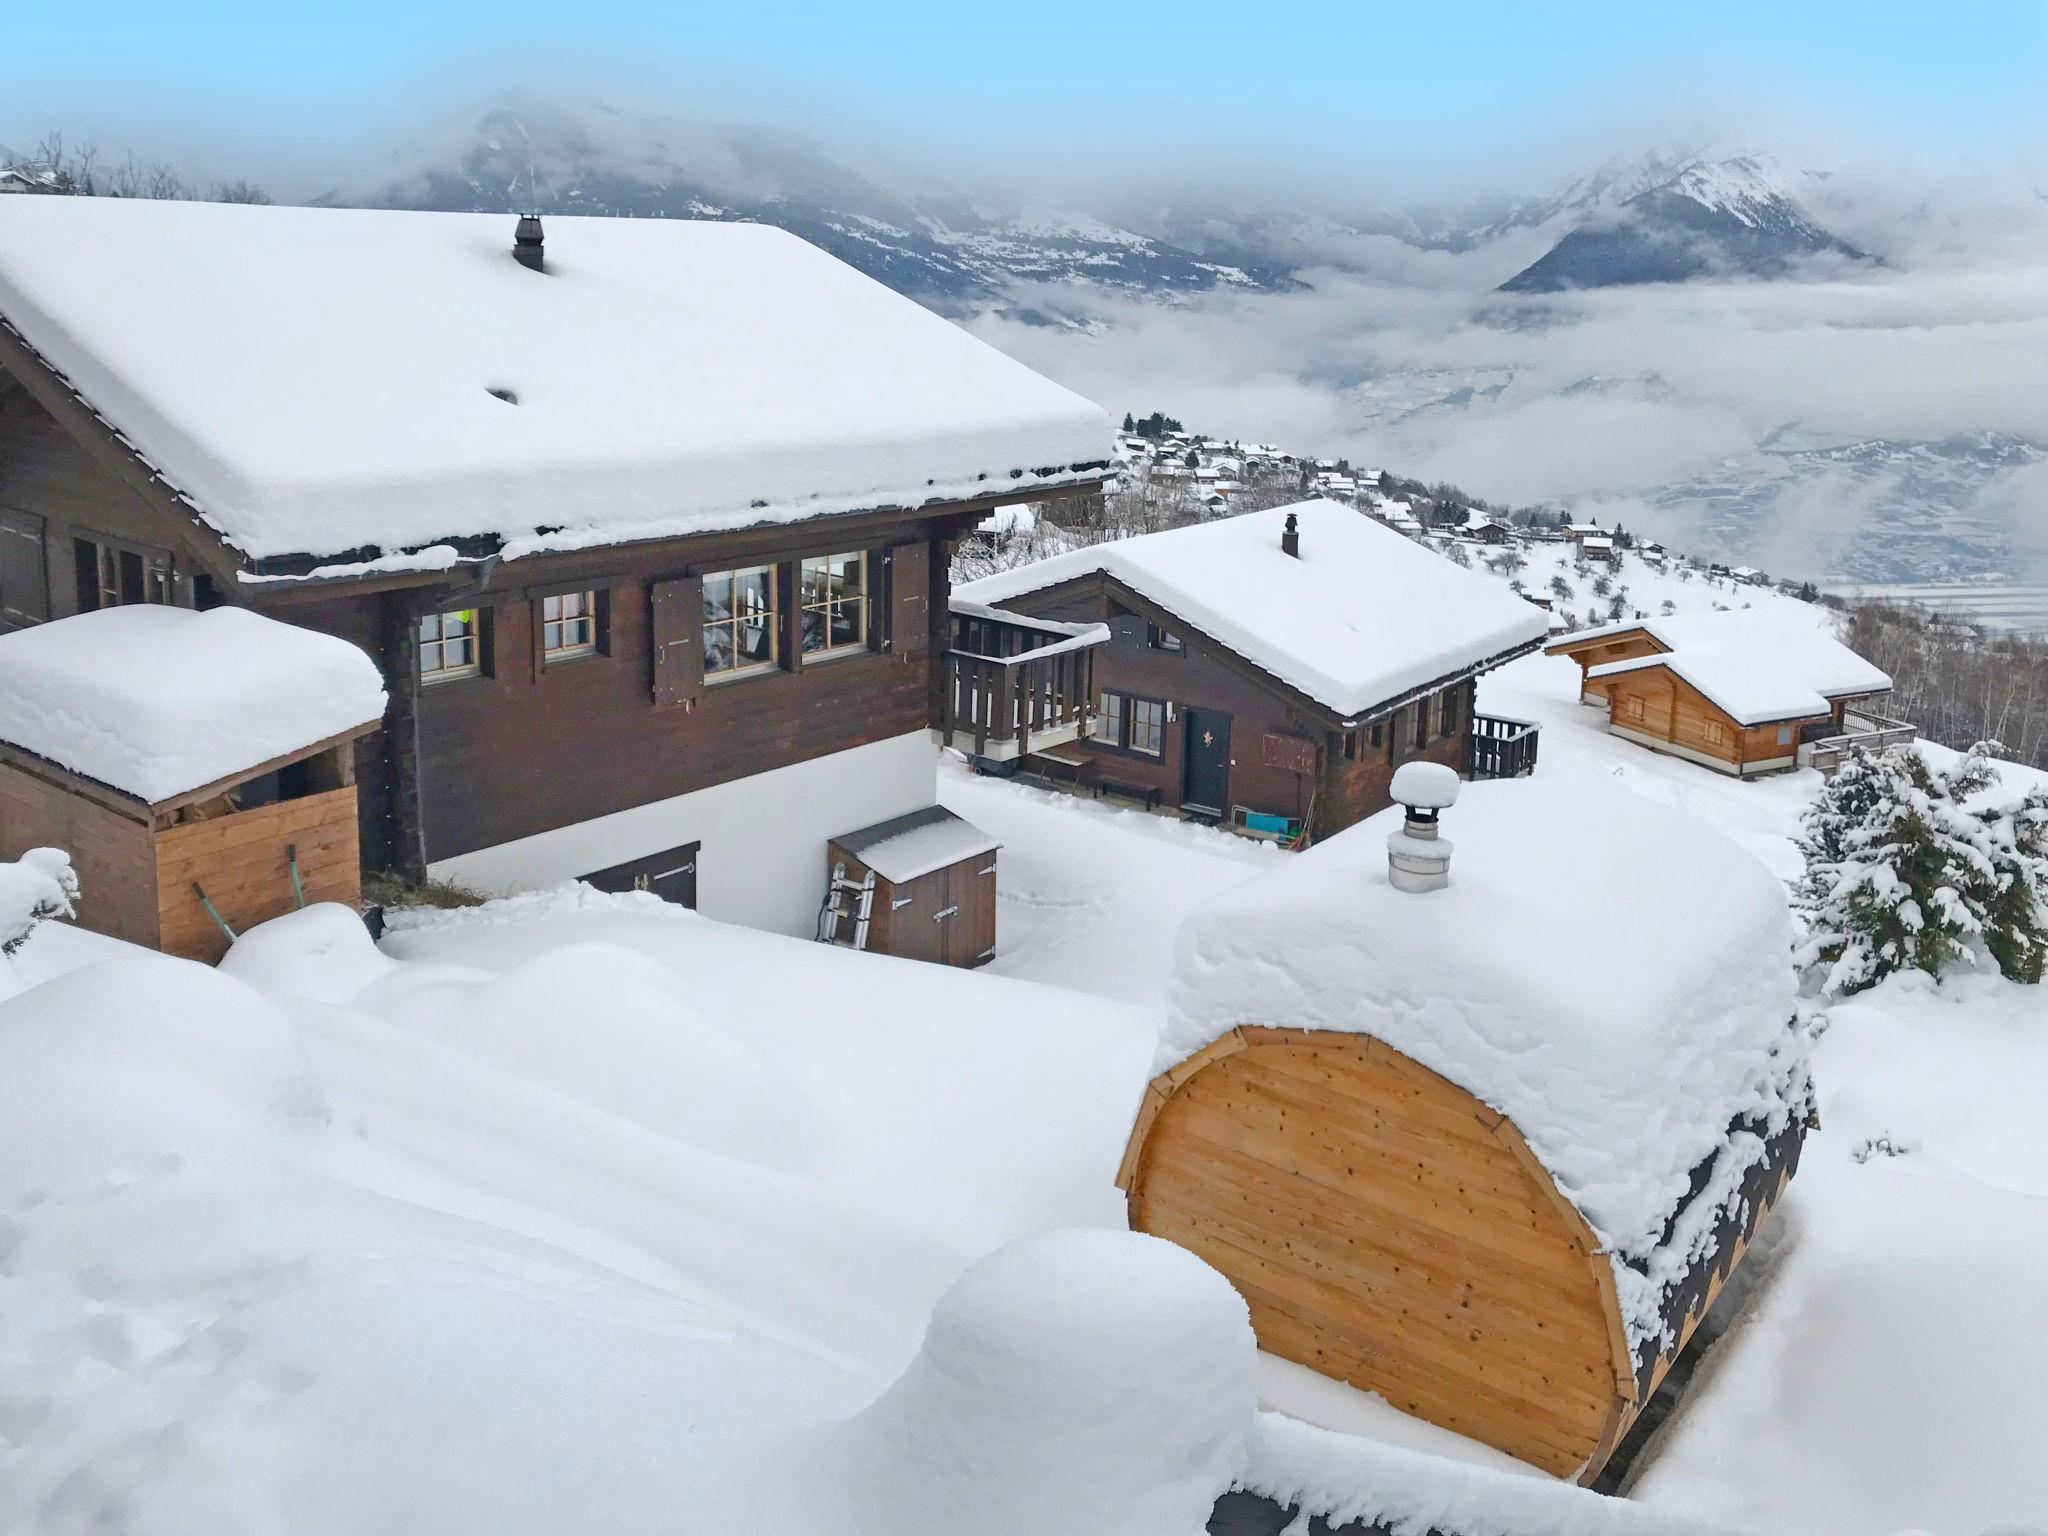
(158, 571)
(1125, 714)
(475, 667)
(1159, 638)
(1632, 707)
(1714, 732)
(733, 620)
(832, 605)
(589, 623)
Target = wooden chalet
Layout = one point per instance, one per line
(1741, 691)
(645, 524)
(1449, 1148)
(1268, 672)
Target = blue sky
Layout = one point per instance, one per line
(1437, 89)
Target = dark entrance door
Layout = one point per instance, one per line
(1205, 761)
(671, 875)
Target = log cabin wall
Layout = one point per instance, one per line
(1658, 705)
(111, 852)
(244, 863)
(528, 748)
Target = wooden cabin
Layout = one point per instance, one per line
(1453, 1150)
(199, 768)
(1270, 672)
(646, 524)
(1741, 691)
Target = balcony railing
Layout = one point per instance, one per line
(1501, 748)
(1014, 684)
(1826, 745)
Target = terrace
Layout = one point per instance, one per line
(1014, 685)
(1826, 744)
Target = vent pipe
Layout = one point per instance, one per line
(1290, 538)
(527, 242)
(1418, 855)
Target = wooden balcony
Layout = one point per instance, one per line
(1501, 748)
(1014, 684)
(1826, 745)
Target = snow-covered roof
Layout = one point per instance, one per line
(1361, 617)
(1776, 662)
(918, 843)
(1621, 1017)
(316, 380)
(155, 701)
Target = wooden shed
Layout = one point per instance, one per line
(198, 768)
(1447, 1168)
(921, 887)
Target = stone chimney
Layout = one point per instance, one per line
(1418, 855)
(527, 241)
(1290, 538)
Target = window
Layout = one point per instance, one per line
(1421, 708)
(1784, 735)
(1717, 733)
(1148, 727)
(568, 626)
(1131, 725)
(1162, 639)
(110, 576)
(739, 622)
(1109, 720)
(835, 604)
(1633, 708)
(449, 646)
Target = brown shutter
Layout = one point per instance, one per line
(910, 599)
(676, 630)
(24, 594)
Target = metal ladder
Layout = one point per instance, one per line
(863, 893)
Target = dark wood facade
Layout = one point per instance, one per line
(1239, 740)
(525, 746)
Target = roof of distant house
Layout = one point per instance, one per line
(321, 380)
(1361, 618)
(1757, 664)
(154, 701)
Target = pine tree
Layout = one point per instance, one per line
(2015, 840)
(1129, 425)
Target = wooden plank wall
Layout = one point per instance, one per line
(1382, 1233)
(241, 860)
(112, 853)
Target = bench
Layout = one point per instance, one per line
(1149, 798)
(1061, 767)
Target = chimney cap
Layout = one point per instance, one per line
(528, 241)
(1426, 786)
(1290, 537)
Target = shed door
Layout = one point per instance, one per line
(671, 875)
(1205, 761)
(24, 592)
(971, 893)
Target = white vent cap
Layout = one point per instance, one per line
(1427, 786)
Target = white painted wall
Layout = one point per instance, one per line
(763, 860)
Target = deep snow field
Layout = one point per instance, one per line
(581, 1213)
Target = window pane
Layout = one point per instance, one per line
(718, 595)
(754, 590)
(551, 636)
(1109, 722)
(718, 650)
(1148, 726)
(846, 621)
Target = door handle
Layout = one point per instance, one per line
(941, 916)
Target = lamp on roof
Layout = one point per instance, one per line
(1418, 858)
(527, 242)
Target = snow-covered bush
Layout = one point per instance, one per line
(1913, 867)
(38, 886)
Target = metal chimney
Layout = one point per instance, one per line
(527, 241)
(1418, 856)
(1290, 538)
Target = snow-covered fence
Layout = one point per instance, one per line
(37, 886)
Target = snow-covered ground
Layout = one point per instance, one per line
(580, 1213)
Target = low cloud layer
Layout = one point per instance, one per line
(1407, 359)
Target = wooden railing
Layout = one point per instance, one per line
(1501, 748)
(1827, 746)
(1014, 685)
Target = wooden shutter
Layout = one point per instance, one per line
(910, 599)
(676, 630)
(24, 594)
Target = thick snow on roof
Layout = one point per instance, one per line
(1362, 617)
(1613, 975)
(917, 844)
(1771, 645)
(320, 379)
(155, 700)
(1754, 687)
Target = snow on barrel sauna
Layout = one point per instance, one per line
(199, 768)
(1483, 1135)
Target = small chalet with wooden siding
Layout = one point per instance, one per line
(1742, 691)
(1271, 671)
(644, 523)
(1484, 1133)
